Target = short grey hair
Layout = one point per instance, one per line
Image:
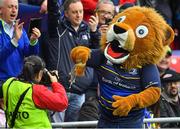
(104, 2)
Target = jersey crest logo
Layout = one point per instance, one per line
(133, 72)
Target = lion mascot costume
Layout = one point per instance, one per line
(126, 66)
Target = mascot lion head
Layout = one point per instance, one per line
(136, 37)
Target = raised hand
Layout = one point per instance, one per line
(103, 29)
(93, 22)
(18, 29)
(35, 34)
(80, 55)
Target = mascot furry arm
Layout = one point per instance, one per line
(141, 100)
(135, 38)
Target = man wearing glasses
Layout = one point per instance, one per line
(106, 11)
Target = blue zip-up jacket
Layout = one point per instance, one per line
(63, 38)
(11, 57)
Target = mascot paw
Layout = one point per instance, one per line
(80, 55)
(122, 105)
(143, 99)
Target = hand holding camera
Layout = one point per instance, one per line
(49, 77)
(53, 75)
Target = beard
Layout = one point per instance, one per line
(173, 93)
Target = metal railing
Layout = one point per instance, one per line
(94, 123)
(75, 124)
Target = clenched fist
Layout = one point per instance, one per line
(80, 55)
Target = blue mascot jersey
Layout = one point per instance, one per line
(114, 80)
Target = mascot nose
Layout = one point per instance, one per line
(118, 30)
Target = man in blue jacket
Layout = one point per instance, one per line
(14, 42)
(64, 35)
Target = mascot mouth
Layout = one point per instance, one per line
(115, 50)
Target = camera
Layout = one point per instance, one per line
(45, 80)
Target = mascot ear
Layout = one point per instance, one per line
(169, 35)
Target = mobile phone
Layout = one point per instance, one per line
(34, 22)
(107, 21)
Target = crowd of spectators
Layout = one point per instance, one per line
(72, 23)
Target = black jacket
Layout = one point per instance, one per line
(62, 38)
(169, 109)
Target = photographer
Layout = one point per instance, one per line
(29, 111)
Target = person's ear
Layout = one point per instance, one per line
(38, 76)
(65, 13)
(169, 35)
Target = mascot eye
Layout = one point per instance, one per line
(121, 19)
(141, 31)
